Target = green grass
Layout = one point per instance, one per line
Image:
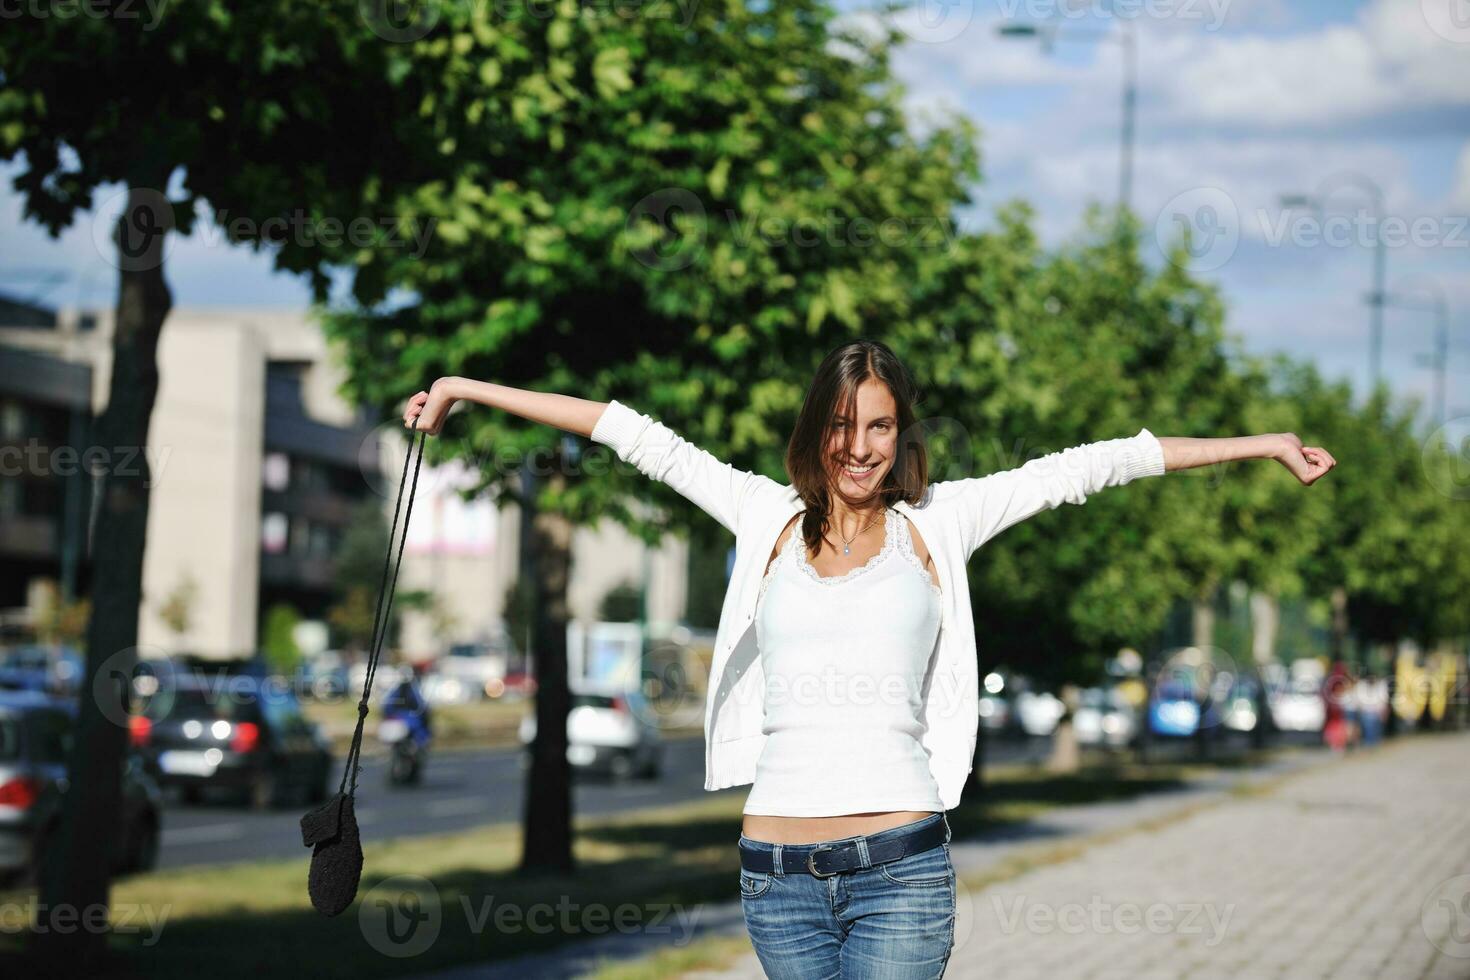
(659, 866)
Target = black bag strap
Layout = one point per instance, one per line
(385, 590)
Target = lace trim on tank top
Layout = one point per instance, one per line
(889, 537)
(903, 543)
(906, 548)
(781, 556)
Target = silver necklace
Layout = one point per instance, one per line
(847, 542)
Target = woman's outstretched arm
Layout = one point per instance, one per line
(988, 505)
(723, 491)
(566, 412)
(1306, 463)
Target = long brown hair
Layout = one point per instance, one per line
(833, 391)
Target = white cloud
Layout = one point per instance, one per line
(1387, 60)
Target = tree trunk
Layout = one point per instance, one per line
(75, 877)
(548, 815)
(1203, 637)
(1337, 639)
(1265, 627)
(1066, 755)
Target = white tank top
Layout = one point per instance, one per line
(844, 660)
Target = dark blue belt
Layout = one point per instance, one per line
(834, 857)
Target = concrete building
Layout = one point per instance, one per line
(257, 463)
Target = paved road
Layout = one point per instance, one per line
(461, 789)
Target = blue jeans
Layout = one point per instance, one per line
(891, 921)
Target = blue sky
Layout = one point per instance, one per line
(1239, 102)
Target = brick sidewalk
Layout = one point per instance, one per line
(1317, 867)
(1347, 870)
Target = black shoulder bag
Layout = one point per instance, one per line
(331, 829)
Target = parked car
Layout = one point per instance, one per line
(995, 713)
(1295, 696)
(1242, 710)
(57, 670)
(480, 667)
(1298, 711)
(236, 733)
(323, 677)
(609, 729)
(35, 741)
(519, 684)
(1173, 710)
(1104, 717)
(1037, 713)
(440, 688)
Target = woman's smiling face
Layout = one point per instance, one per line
(856, 473)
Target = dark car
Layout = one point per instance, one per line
(244, 734)
(52, 669)
(35, 739)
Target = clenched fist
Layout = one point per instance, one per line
(1306, 463)
(431, 407)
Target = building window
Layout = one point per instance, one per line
(276, 471)
(12, 419)
(273, 533)
(320, 545)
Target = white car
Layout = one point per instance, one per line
(1297, 711)
(608, 729)
(1104, 717)
(478, 669)
(1038, 713)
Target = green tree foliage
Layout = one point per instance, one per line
(278, 641)
(288, 121)
(684, 216)
(622, 604)
(177, 608)
(518, 612)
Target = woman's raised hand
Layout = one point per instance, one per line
(430, 407)
(1306, 463)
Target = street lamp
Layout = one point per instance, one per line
(1440, 358)
(1048, 34)
(1374, 193)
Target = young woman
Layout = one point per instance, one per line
(844, 683)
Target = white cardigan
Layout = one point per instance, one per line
(955, 518)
